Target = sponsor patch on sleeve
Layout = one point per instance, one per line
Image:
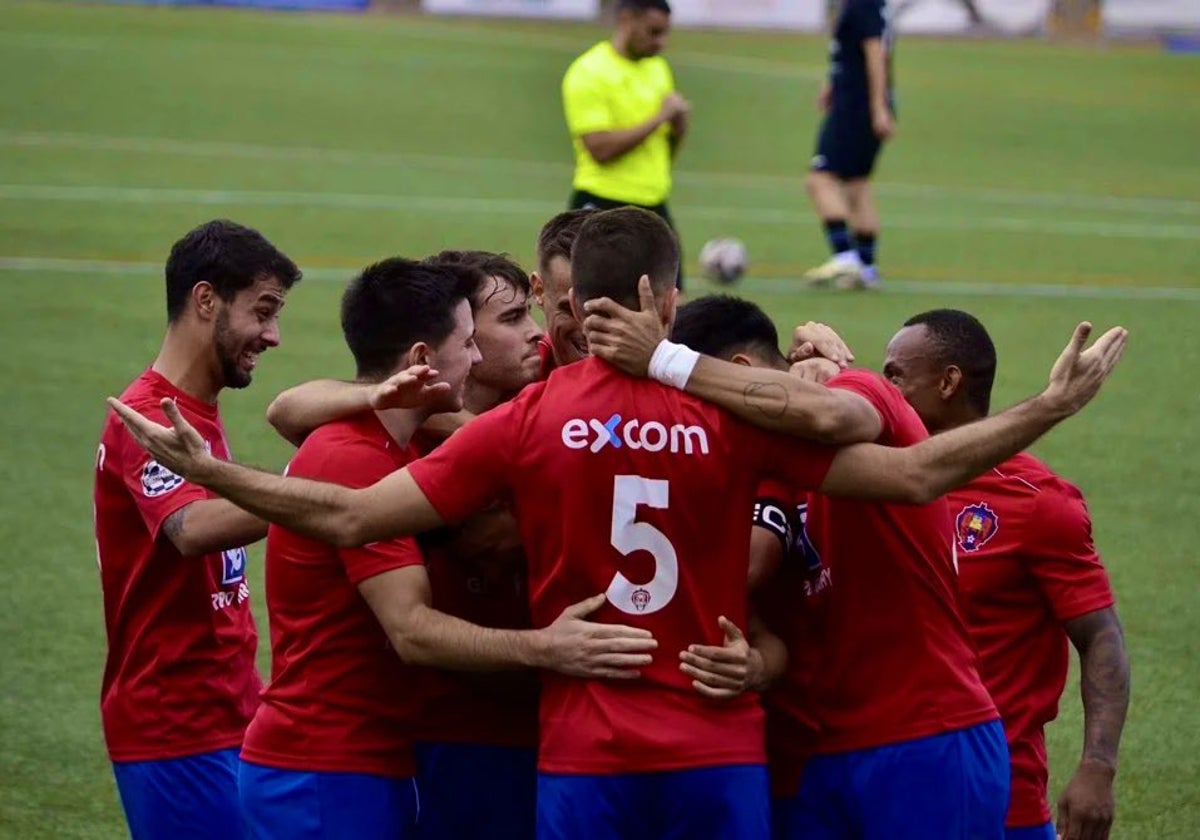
(157, 480)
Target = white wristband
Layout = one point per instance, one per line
(672, 364)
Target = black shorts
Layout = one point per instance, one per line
(581, 200)
(846, 147)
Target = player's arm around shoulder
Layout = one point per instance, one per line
(301, 409)
(780, 401)
(773, 400)
(920, 473)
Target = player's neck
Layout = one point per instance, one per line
(620, 43)
(189, 364)
(954, 419)
(402, 423)
(478, 398)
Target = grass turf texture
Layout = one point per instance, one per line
(1018, 165)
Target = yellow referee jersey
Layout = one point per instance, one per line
(604, 91)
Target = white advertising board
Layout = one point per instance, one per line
(952, 16)
(1151, 15)
(581, 9)
(763, 14)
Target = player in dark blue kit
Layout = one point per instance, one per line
(859, 117)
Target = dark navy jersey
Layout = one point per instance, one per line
(859, 20)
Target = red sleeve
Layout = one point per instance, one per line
(156, 491)
(874, 389)
(772, 488)
(377, 558)
(474, 467)
(1063, 557)
(358, 463)
(799, 464)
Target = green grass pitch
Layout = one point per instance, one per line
(1032, 184)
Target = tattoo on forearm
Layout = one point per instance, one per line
(768, 398)
(173, 525)
(1104, 686)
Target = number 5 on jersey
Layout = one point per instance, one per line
(629, 536)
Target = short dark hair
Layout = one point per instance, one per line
(487, 264)
(722, 326)
(229, 257)
(644, 5)
(557, 237)
(615, 248)
(395, 303)
(959, 339)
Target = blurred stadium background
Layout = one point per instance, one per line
(1045, 171)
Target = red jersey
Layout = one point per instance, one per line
(340, 699)
(895, 660)
(628, 487)
(179, 678)
(789, 604)
(1026, 564)
(486, 585)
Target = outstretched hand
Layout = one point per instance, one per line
(179, 448)
(412, 387)
(1078, 373)
(622, 337)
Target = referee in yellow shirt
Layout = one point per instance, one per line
(625, 117)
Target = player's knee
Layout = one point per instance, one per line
(818, 183)
(858, 189)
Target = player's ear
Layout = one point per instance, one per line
(742, 359)
(670, 302)
(537, 288)
(951, 382)
(419, 354)
(205, 300)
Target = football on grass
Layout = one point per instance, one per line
(723, 260)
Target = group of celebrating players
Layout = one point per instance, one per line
(640, 575)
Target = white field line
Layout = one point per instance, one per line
(491, 37)
(102, 194)
(562, 170)
(59, 265)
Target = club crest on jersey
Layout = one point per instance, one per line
(640, 599)
(157, 480)
(975, 525)
(233, 566)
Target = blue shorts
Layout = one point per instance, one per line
(471, 791)
(301, 805)
(711, 803)
(1045, 831)
(952, 786)
(846, 146)
(190, 798)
